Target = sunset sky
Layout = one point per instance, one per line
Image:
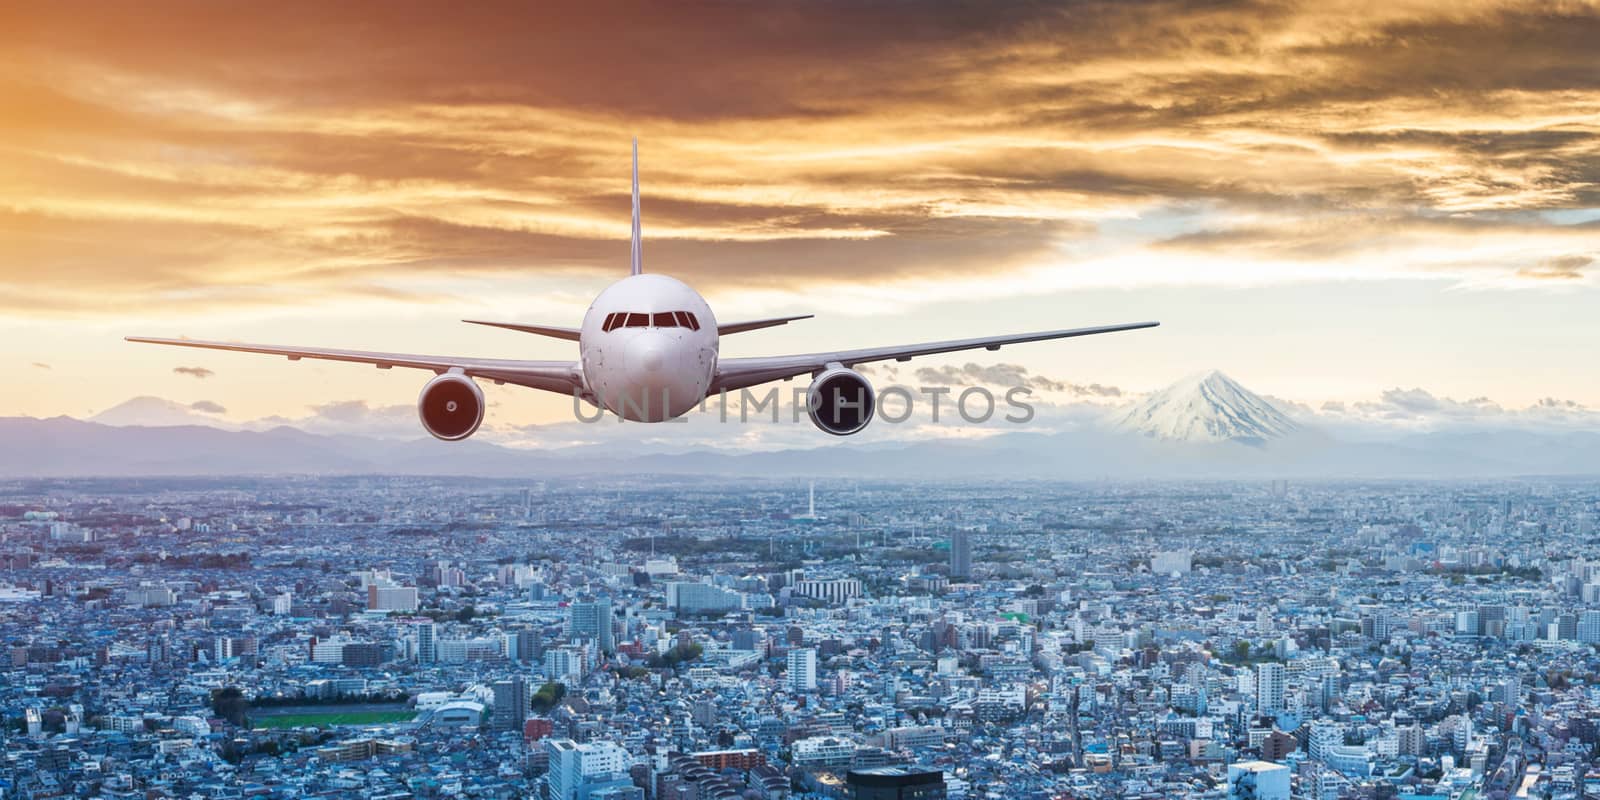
(1329, 201)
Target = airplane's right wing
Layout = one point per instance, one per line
(551, 376)
(737, 373)
(725, 328)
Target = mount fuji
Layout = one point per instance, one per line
(1208, 407)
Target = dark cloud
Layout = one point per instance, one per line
(193, 372)
(208, 407)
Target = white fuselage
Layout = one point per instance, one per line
(648, 346)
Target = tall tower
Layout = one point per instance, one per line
(1269, 688)
(511, 704)
(427, 643)
(811, 505)
(802, 671)
(960, 554)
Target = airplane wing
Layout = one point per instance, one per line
(553, 376)
(725, 328)
(738, 373)
(552, 331)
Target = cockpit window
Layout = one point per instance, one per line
(659, 319)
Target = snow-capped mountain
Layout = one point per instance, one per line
(1209, 407)
(158, 412)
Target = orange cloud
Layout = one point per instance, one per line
(201, 154)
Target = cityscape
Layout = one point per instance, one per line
(589, 638)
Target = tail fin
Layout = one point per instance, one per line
(637, 260)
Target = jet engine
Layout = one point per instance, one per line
(841, 401)
(451, 407)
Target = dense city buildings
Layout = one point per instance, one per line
(590, 639)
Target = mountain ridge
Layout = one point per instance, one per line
(1204, 426)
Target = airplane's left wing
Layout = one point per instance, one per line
(552, 376)
(737, 373)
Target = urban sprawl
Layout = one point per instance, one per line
(705, 639)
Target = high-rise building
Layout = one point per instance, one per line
(593, 619)
(427, 642)
(894, 783)
(960, 554)
(511, 704)
(1269, 688)
(1588, 628)
(802, 670)
(524, 646)
(565, 664)
(1258, 780)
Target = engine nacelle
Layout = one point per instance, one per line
(841, 401)
(451, 407)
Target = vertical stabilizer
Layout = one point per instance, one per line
(636, 262)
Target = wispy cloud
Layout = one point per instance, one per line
(193, 372)
(1009, 375)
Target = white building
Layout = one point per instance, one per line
(802, 675)
(1269, 688)
(565, 664)
(1258, 780)
(834, 591)
(574, 765)
(1325, 735)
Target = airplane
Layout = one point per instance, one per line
(648, 352)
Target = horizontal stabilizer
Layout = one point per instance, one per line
(757, 324)
(570, 334)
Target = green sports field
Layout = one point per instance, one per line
(332, 718)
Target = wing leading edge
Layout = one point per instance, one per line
(552, 376)
(738, 373)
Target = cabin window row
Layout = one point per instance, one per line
(660, 319)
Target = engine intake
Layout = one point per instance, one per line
(841, 401)
(451, 407)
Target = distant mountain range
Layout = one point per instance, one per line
(1207, 426)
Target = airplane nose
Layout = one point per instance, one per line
(647, 356)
